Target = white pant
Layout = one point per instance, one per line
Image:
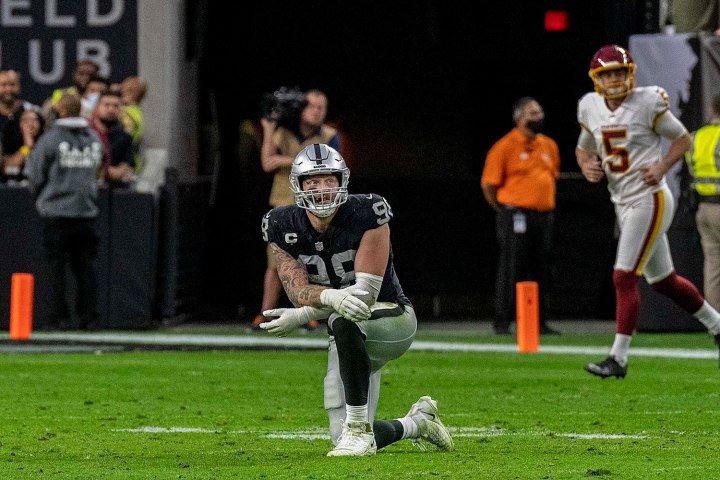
(643, 246)
(387, 338)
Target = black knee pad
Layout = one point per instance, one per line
(345, 330)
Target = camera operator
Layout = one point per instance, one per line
(280, 145)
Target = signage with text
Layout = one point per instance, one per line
(43, 39)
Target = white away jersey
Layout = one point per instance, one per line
(626, 139)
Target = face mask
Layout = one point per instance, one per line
(536, 126)
(90, 101)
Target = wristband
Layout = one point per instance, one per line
(25, 150)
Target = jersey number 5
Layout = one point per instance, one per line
(618, 157)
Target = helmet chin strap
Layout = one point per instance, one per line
(616, 91)
(323, 213)
(613, 93)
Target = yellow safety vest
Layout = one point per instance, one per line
(703, 160)
(132, 120)
(58, 93)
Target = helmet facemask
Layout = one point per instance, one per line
(321, 202)
(319, 159)
(614, 90)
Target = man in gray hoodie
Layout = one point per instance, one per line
(62, 169)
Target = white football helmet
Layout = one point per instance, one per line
(319, 159)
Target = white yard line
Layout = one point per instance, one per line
(252, 341)
(320, 434)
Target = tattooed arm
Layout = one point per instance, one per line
(301, 292)
(294, 279)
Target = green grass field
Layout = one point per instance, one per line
(259, 415)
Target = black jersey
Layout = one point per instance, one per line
(329, 257)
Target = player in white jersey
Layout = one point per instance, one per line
(620, 139)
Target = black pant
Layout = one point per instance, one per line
(523, 256)
(73, 240)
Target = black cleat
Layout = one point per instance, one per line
(607, 368)
(717, 342)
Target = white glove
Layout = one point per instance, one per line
(346, 303)
(289, 320)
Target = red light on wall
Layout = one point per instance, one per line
(556, 21)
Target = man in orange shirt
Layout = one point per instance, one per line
(519, 181)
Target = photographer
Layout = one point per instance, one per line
(281, 143)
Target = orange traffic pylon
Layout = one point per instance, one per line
(527, 316)
(21, 305)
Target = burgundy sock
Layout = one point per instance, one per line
(627, 306)
(681, 291)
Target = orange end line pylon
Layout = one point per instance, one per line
(21, 306)
(527, 316)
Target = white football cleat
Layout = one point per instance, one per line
(424, 413)
(357, 439)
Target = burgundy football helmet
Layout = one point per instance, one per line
(612, 57)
